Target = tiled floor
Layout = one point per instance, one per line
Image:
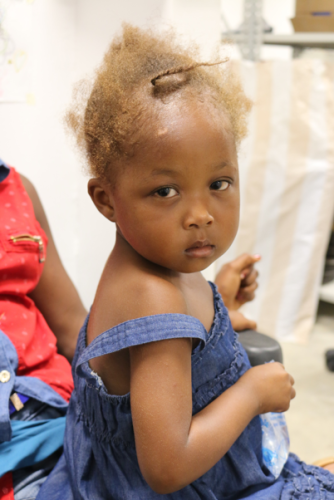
(311, 415)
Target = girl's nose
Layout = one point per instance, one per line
(198, 217)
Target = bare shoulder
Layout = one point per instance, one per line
(156, 295)
(133, 294)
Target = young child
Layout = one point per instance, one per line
(165, 402)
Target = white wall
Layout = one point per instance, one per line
(199, 20)
(68, 41)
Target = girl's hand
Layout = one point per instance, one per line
(236, 281)
(239, 322)
(272, 387)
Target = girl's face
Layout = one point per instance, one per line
(176, 203)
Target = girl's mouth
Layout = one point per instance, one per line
(200, 249)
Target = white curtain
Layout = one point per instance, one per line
(287, 190)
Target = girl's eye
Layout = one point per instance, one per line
(220, 185)
(166, 192)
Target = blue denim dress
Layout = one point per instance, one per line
(100, 461)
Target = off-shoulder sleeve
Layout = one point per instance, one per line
(142, 331)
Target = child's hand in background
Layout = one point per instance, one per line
(236, 281)
(240, 322)
(272, 387)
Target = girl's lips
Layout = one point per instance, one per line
(200, 250)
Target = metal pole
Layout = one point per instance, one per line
(252, 30)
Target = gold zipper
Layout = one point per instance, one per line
(36, 239)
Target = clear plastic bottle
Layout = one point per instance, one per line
(275, 442)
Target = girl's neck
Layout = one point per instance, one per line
(124, 254)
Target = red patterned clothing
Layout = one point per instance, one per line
(26, 341)
(22, 255)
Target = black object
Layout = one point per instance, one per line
(261, 348)
(329, 276)
(329, 262)
(330, 360)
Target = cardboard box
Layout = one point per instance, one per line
(313, 23)
(307, 7)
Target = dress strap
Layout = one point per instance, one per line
(142, 331)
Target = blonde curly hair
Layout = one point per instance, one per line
(141, 69)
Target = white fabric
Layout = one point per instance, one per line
(287, 190)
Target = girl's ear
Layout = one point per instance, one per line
(102, 198)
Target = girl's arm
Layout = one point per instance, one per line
(55, 295)
(174, 448)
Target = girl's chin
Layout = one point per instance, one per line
(192, 260)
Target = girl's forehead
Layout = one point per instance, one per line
(180, 123)
(184, 135)
(159, 116)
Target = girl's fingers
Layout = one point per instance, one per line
(245, 272)
(250, 277)
(293, 391)
(248, 293)
(240, 322)
(244, 262)
(250, 288)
